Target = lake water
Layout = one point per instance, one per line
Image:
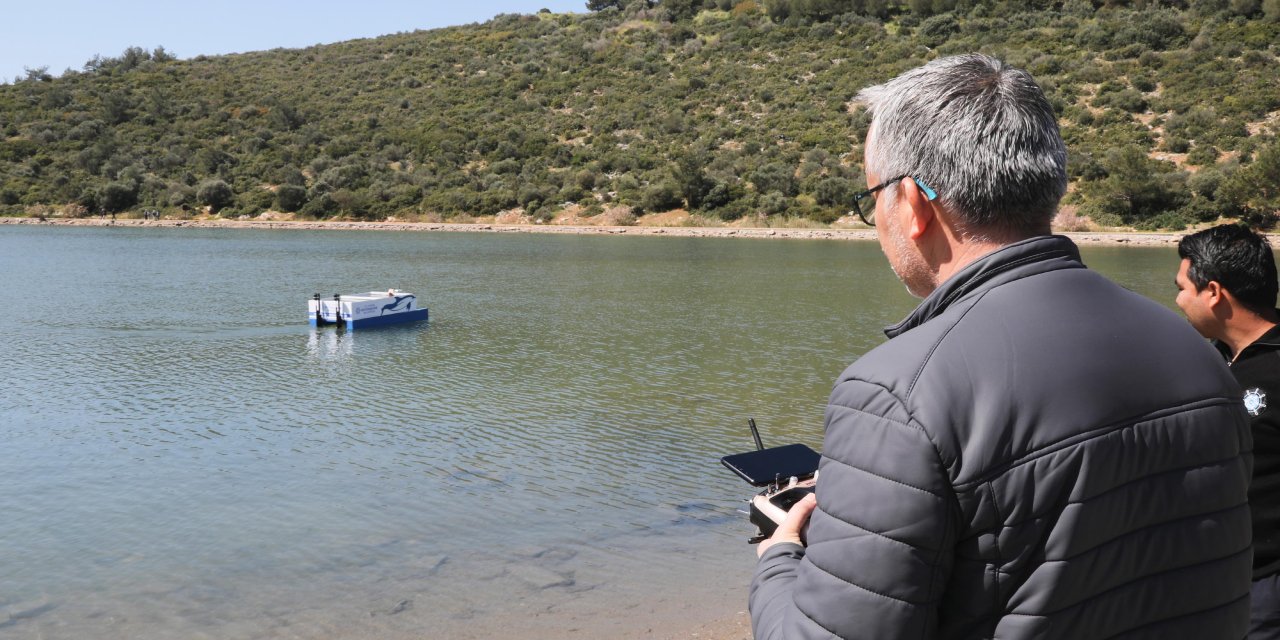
(183, 457)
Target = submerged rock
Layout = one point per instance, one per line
(540, 578)
(25, 612)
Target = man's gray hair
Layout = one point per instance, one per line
(978, 132)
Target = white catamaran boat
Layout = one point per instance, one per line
(361, 310)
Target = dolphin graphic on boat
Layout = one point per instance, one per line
(395, 306)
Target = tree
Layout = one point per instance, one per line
(921, 7)
(663, 196)
(936, 29)
(283, 117)
(159, 54)
(691, 179)
(774, 203)
(721, 195)
(1271, 10)
(117, 107)
(775, 176)
(1255, 188)
(132, 58)
(1244, 7)
(9, 195)
(779, 10)
(600, 5)
(835, 192)
(1136, 187)
(215, 193)
(683, 9)
(38, 74)
(290, 197)
(118, 196)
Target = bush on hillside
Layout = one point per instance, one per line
(215, 194)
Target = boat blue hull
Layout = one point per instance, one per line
(396, 318)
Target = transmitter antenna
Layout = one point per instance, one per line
(755, 433)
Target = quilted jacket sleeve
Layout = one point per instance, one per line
(881, 540)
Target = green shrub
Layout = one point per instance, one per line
(290, 197)
(721, 196)
(1125, 100)
(774, 203)
(1143, 83)
(1255, 189)
(937, 29)
(835, 192)
(255, 201)
(1174, 220)
(1205, 210)
(1205, 183)
(214, 193)
(321, 206)
(179, 195)
(118, 196)
(1202, 155)
(663, 196)
(775, 177)
(1136, 188)
(17, 150)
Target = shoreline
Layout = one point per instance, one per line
(1118, 238)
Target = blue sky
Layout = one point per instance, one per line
(65, 33)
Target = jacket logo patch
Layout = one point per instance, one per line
(1255, 400)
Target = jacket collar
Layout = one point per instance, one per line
(1268, 340)
(1006, 264)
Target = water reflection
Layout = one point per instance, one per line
(330, 344)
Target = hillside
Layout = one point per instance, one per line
(1170, 113)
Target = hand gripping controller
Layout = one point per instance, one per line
(763, 467)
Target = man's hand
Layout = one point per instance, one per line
(789, 530)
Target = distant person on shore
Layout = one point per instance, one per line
(1227, 287)
(1035, 452)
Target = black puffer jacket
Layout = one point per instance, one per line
(1035, 453)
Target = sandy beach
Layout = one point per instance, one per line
(1089, 238)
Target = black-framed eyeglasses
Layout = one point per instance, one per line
(869, 217)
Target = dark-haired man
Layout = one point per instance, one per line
(1036, 452)
(1227, 287)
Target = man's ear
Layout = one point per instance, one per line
(922, 214)
(1215, 291)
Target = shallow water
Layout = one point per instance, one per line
(184, 457)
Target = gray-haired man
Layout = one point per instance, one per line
(1035, 452)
